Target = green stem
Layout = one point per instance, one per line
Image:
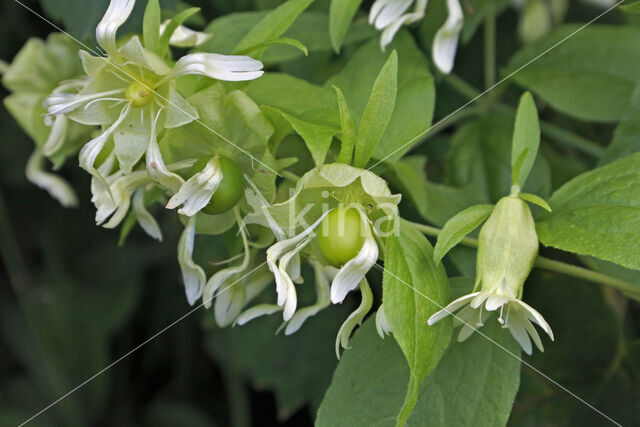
(548, 264)
(490, 47)
(558, 134)
(239, 406)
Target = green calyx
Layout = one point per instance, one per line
(230, 189)
(341, 235)
(507, 248)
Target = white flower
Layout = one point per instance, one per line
(57, 187)
(446, 41)
(282, 253)
(144, 217)
(382, 324)
(221, 67)
(196, 193)
(479, 305)
(192, 274)
(185, 37)
(322, 277)
(390, 15)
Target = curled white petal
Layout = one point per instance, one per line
(156, 167)
(57, 187)
(385, 12)
(185, 37)
(144, 217)
(56, 137)
(323, 300)
(116, 14)
(382, 324)
(355, 269)
(192, 274)
(445, 42)
(196, 193)
(257, 311)
(220, 67)
(355, 318)
(451, 308)
(220, 277)
(64, 103)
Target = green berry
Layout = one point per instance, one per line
(230, 189)
(341, 235)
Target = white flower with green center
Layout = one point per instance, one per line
(507, 248)
(390, 15)
(131, 93)
(332, 220)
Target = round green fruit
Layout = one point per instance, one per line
(230, 189)
(341, 235)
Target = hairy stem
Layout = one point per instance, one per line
(548, 264)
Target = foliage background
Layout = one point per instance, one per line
(72, 301)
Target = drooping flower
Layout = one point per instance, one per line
(507, 248)
(390, 15)
(342, 206)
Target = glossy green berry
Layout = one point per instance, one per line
(341, 235)
(230, 190)
(139, 94)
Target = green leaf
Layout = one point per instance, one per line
(474, 384)
(341, 13)
(588, 74)
(151, 26)
(526, 136)
(435, 202)
(377, 113)
(176, 21)
(273, 25)
(317, 137)
(458, 227)
(280, 41)
(348, 131)
(480, 156)
(597, 214)
(414, 288)
(626, 137)
(415, 97)
(536, 200)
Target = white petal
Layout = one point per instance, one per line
(228, 305)
(517, 329)
(451, 308)
(322, 301)
(145, 219)
(445, 42)
(496, 301)
(185, 37)
(220, 67)
(388, 11)
(57, 187)
(196, 193)
(116, 14)
(355, 269)
(257, 311)
(536, 317)
(192, 274)
(465, 332)
(382, 324)
(56, 137)
(220, 277)
(355, 318)
(531, 330)
(64, 103)
(156, 166)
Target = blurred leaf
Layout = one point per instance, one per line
(588, 74)
(414, 288)
(172, 414)
(475, 14)
(377, 113)
(626, 138)
(341, 14)
(415, 96)
(597, 214)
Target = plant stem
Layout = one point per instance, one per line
(548, 264)
(550, 130)
(239, 406)
(490, 47)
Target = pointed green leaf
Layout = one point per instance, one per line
(273, 25)
(317, 137)
(151, 25)
(347, 128)
(281, 41)
(458, 227)
(377, 113)
(341, 13)
(526, 136)
(536, 200)
(414, 288)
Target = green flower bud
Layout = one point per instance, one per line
(507, 248)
